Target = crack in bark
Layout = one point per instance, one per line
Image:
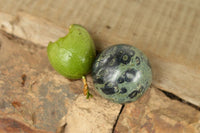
(174, 97)
(115, 124)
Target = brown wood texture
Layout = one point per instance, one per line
(167, 31)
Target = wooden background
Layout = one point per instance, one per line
(168, 32)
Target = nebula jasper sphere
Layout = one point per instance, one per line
(122, 73)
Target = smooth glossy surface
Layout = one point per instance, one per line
(122, 73)
(72, 55)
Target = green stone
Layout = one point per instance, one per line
(72, 56)
(122, 73)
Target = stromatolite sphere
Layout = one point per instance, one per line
(122, 73)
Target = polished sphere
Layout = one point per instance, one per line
(122, 73)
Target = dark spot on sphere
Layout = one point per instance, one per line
(137, 60)
(130, 75)
(125, 50)
(123, 90)
(141, 89)
(133, 94)
(99, 81)
(123, 57)
(120, 80)
(112, 62)
(108, 90)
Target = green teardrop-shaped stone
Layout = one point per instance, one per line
(72, 56)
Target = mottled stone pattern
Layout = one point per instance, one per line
(122, 73)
